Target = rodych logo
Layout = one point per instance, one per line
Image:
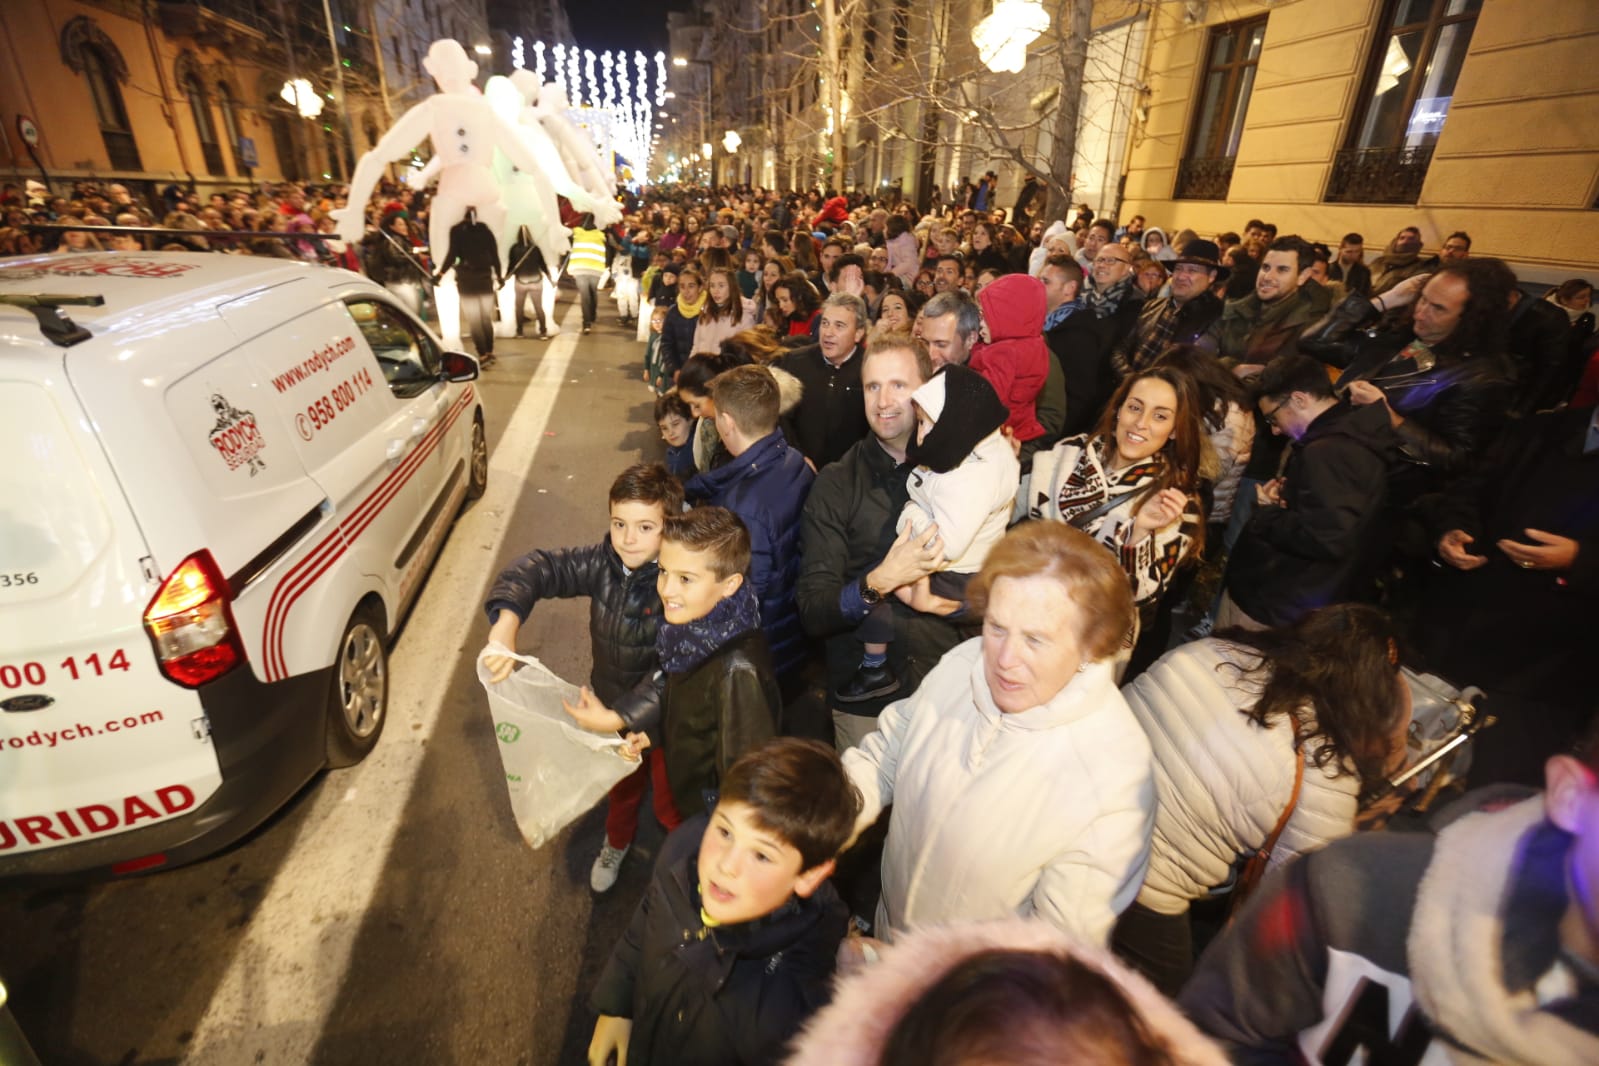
(508, 733)
(236, 437)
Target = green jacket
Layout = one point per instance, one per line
(1250, 331)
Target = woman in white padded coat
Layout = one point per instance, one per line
(1228, 719)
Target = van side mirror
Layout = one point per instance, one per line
(458, 366)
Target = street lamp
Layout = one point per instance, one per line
(707, 113)
(1002, 38)
(306, 100)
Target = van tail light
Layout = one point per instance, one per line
(191, 625)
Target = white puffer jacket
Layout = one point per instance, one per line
(1045, 812)
(1221, 781)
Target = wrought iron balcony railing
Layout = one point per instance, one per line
(1379, 175)
(1204, 179)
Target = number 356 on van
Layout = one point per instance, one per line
(226, 477)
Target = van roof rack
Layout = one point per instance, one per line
(53, 322)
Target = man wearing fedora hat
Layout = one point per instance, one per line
(1181, 318)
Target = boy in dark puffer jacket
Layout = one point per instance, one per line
(618, 576)
(735, 941)
(765, 483)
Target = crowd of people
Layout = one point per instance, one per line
(1117, 557)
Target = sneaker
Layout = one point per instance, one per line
(869, 683)
(486, 361)
(607, 867)
(587, 330)
(543, 335)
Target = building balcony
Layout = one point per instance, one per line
(1204, 179)
(1379, 176)
(214, 22)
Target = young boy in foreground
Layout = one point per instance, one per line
(618, 575)
(718, 694)
(734, 943)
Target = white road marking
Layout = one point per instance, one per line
(272, 1004)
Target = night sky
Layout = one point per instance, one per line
(629, 24)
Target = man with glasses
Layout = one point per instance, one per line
(1181, 318)
(1313, 535)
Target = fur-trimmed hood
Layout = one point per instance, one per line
(790, 389)
(1485, 930)
(866, 1005)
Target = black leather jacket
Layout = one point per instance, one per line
(624, 608)
(1450, 410)
(712, 714)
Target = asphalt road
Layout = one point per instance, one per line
(391, 913)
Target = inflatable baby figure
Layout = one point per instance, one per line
(465, 131)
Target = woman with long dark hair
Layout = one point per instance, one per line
(1133, 483)
(1229, 417)
(797, 303)
(1247, 726)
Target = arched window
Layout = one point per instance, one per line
(193, 88)
(86, 49)
(230, 123)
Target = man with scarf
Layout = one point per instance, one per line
(715, 696)
(1082, 339)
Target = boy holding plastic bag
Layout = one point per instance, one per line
(718, 693)
(618, 575)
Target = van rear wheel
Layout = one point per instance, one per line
(358, 705)
(479, 460)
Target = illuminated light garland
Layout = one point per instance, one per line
(617, 106)
(518, 57)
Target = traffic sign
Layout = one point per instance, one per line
(247, 156)
(28, 130)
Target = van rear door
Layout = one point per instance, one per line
(94, 740)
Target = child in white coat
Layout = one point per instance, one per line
(964, 479)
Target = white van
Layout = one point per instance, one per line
(224, 479)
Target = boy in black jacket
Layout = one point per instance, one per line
(715, 696)
(734, 943)
(619, 577)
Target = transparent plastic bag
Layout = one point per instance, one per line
(555, 771)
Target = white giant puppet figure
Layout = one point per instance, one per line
(465, 131)
(549, 107)
(567, 152)
(530, 198)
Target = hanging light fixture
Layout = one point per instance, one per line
(305, 99)
(1002, 38)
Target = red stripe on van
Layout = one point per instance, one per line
(321, 558)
